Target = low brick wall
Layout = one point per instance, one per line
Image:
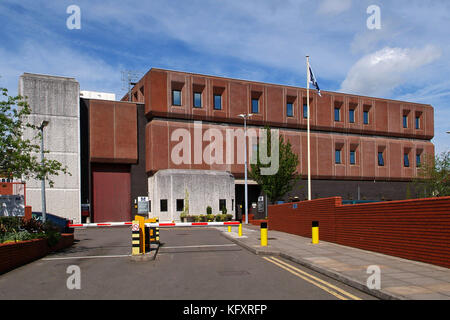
(412, 229)
(13, 255)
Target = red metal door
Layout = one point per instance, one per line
(111, 195)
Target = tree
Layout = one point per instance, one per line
(277, 185)
(433, 176)
(18, 155)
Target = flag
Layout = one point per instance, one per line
(313, 80)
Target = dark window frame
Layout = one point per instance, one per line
(291, 113)
(216, 107)
(351, 115)
(255, 100)
(352, 157)
(173, 97)
(381, 159)
(194, 101)
(178, 201)
(163, 205)
(337, 156)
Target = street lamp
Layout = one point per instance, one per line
(41, 128)
(245, 117)
(448, 132)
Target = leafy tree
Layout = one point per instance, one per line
(20, 157)
(433, 176)
(277, 185)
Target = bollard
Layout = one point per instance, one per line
(263, 234)
(315, 232)
(135, 238)
(229, 228)
(157, 232)
(240, 230)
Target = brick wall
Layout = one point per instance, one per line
(13, 255)
(411, 229)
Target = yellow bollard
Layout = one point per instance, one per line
(315, 232)
(141, 231)
(240, 230)
(135, 238)
(229, 228)
(263, 234)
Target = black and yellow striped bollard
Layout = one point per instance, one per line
(135, 238)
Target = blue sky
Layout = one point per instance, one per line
(260, 40)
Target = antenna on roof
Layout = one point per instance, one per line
(129, 80)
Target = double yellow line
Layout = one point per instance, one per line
(322, 284)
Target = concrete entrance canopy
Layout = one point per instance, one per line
(205, 188)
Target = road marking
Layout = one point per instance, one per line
(200, 246)
(86, 257)
(341, 294)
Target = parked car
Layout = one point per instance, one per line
(61, 223)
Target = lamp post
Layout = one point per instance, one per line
(245, 117)
(44, 209)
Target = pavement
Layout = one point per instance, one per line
(401, 279)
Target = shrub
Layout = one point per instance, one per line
(229, 217)
(224, 210)
(208, 210)
(210, 217)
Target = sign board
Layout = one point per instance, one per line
(143, 207)
(261, 204)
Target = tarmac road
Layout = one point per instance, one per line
(192, 263)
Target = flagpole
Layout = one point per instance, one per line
(307, 110)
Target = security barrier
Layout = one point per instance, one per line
(144, 232)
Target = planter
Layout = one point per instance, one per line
(16, 254)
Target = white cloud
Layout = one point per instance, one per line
(377, 74)
(334, 7)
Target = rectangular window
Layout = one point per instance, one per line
(289, 110)
(222, 204)
(352, 157)
(405, 121)
(380, 159)
(163, 203)
(351, 116)
(337, 114)
(255, 105)
(197, 99)
(418, 160)
(176, 97)
(217, 102)
(180, 204)
(337, 156)
(417, 123)
(149, 205)
(406, 160)
(305, 111)
(366, 117)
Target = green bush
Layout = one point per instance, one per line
(210, 217)
(229, 217)
(208, 210)
(13, 229)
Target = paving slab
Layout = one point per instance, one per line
(401, 279)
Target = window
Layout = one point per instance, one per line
(218, 102)
(255, 105)
(197, 99)
(176, 97)
(163, 203)
(305, 111)
(417, 122)
(180, 204)
(149, 205)
(366, 117)
(418, 163)
(351, 116)
(289, 109)
(337, 114)
(406, 160)
(380, 159)
(337, 156)
(405, 121)
(352, 157)
(222, 204)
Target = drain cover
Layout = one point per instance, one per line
(233, 273)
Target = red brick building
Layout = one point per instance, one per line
(360, 146)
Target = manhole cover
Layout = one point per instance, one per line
(233, 273)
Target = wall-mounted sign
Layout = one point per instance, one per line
(143, 207)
